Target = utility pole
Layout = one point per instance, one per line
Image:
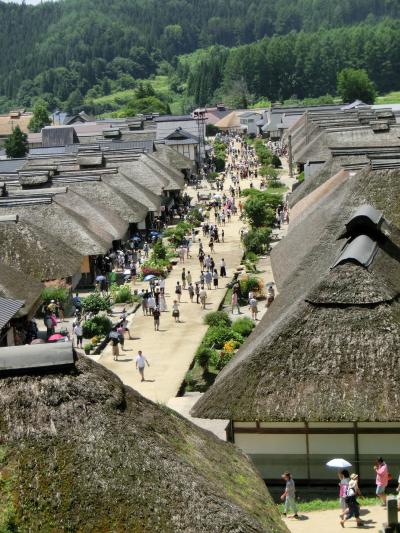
(290, 160)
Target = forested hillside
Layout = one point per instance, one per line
(64, 49)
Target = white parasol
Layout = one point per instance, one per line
(338, 463)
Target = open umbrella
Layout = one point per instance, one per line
(55, 337)
(135, 238)
(149, 277)
(100, 278)
(338, 463)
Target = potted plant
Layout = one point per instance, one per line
(87, 347)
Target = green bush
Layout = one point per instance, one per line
(276, 162)
(268, 172)
(121, 294)
(276, 184)
(221, 359)
(217, 336)
(257, 240)
(211, 130)
(219, 164)
(217, 318)
(159, 251)
(98, 325)
(300, 177)
(95, 302)
(55, 293)
(244, 326)
(204, 356)
(194, 217)
(250, 283)
(251, 256)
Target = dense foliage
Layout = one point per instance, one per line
(77, 49)
(98, 325)
(16, 144)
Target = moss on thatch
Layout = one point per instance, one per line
(87, 454)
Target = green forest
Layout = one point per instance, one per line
(73, 53)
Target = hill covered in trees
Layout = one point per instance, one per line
(62, 50)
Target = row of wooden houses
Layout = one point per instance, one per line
(64, 205)
(319, 377)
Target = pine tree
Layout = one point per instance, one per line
(16, 144)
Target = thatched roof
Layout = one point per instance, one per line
(36, 252)
(16, 285)
(228, 122)
(94, 455)
(316, 353)
(172, 158)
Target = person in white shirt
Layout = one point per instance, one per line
(141, 362)
(79, 334)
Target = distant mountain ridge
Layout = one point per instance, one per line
(55, 49)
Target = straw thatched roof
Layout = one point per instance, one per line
(36, 252)
(328, 331)
(172, 158)
(94, 455)
(19, 286)
(228, 122)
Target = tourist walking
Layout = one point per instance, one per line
(189, 277)
(208, 279)
(121, 338)
(183, 278)
(222, 268)
(141, 362)
(215, 278)
(344, 479)
(178, 291)
(78, 330)
(124, 319)
(382, 479)
(197, 292)
(151, 304)
(235, 302)
(253, 308)
(203, 297)
(289, 495)
(270, 296)
(114, 338)
(191, 292)
(353, 507)
(175, 311)
(156, 317)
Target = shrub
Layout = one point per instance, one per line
(251, 256)
(211, 130)
(219, 163)
(257, 240)
(211, 176)
(250, 283)
(54, 293)
(244, 326)
(300, 177)
(221, 359)
(97, 326)
(217, 336)
(159, 250)
(276, 162)
(95, 302)
(217, 318)
(204, 356)
(158, 271)
(87, 347)
(121, 294)
(269, 172)
(194, 217)
(258, 212)
(276, 184)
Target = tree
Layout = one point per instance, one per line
(353, 84)
(258, 212)
(16, 144)
(40, 117)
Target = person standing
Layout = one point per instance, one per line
(197, 292)
(222, 268)
(235, 302)
(178, 291)
(114, 338)
(289, 495)
(253, 308)
(121, 338)
(191, 292)
(382, 479)
(141, 362)
(183, 277)
(270, 296)
(208, 279)
(215, 278)
(156, 316)
(175, 311)
(203, 297)
(79, 334)
(189, 277)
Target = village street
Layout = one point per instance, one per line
(171, 350)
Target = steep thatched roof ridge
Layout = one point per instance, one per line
(19, 286)
(174, 179)
(320, 362)
(285, 330)
(59, 218)
(172, 157)
(121, 462)
(332, 166)
(142, 194)
(36, 252)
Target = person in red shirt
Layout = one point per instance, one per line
(382, 479)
